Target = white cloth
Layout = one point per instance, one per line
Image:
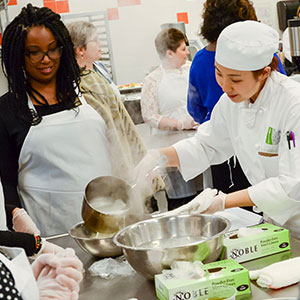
(164, 93)
(278, 275)
(58, 159)
(246, 46)
(21, 270)
(242, 130)
(2, 210)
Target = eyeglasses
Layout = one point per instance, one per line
(37, 56)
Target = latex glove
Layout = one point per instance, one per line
(278, 275)
(148, 167)
(199, 204)
(63, 259)
(186, 124)
(50, 286)
(49, 248)
(23, 223)
(218, 204)
(58, 276)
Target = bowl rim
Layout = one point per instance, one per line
(85, 238)
(117, 243)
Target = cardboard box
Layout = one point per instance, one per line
(271, 240)
(225, 272)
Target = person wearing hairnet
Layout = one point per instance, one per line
(256, 119)
(204, 91)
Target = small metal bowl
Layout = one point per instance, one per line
(94, 243)
(102, 188)
(152, 245)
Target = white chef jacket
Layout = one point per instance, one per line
(256, 134)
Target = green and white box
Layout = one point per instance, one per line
(272, 239)
(224, 272)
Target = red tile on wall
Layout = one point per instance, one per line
(113, 14)
(62, 6)
(128, 2)
(183, 17)
(51, 5)
(12, 2)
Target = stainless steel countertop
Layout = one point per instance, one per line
(135, 286)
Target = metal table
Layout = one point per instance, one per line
(136, 286)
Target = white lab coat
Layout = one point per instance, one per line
(243, 130)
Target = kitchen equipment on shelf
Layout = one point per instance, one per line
(94, 243)
(152, 245)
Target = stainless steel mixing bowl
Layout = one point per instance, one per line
(152, 245)
(94, 243)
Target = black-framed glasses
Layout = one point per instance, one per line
(37, 56)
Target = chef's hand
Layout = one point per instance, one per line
(23, 223)
(218, 204)
(186, 124)
(148, 168)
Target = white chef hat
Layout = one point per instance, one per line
(246, 46)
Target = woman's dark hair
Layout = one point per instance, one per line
(13, 57)
(218, 14)
(273, 64)
(169, 39)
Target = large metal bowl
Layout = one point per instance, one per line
(94, 243)
(152, 245)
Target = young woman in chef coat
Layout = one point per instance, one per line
(52, 142)
(164, 92)
(256, 119)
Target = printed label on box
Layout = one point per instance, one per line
(272, 239)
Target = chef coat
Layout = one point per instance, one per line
(58, 158)
(256, 134)
(172, 95)
(21, 271)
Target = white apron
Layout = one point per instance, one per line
(58, 159)
(172, 96)
(2, 210)
(21, 270)
(172, 100)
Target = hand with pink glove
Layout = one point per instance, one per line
(218, 204)
(58, 276)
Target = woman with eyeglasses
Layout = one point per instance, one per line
(87, 46)
(52, 142)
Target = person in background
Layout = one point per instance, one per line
(204, 91)
(53, 142)
(164, 92)
(164, 105)
(256, 119)
(88, 50)
(125, 143)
